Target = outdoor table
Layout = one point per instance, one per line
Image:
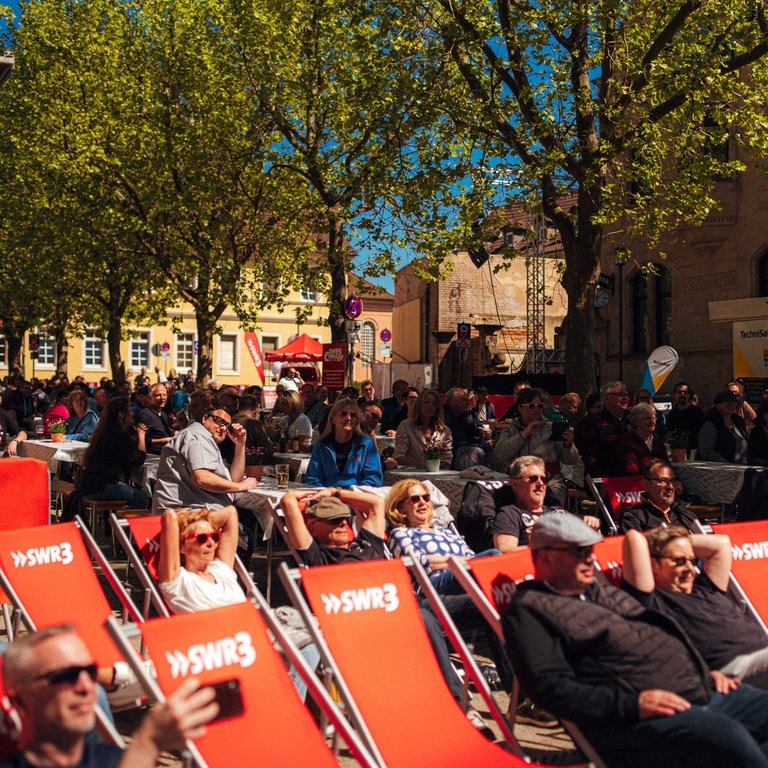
(144, 477)
(384, 441)
(712, 481)
(299, 463)
(69, 450)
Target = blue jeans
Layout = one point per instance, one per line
(134, 497)
(731, 731)
(445, 582)
(312, 656)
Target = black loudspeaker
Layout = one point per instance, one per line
(479, 256)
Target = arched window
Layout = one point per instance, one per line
(367, 343)
(651, 309)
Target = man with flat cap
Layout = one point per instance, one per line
(628, 676)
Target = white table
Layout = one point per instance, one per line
(712, 481)
(298, 462)
(144, 476)
(256, 500)
(69, 450)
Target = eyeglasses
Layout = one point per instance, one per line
(415, 499)
(617, 394)
(68, 675)
(678, 561)
(531, 479)
(663, 480)
(533, 406)
(579, 552)
(219, 421)
(201, 538)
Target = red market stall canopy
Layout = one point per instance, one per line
(302, 349)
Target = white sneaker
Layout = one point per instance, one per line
(476, 719)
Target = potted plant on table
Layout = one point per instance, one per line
(433, 454)
(679, 443)
(254, 461)
(57, 430)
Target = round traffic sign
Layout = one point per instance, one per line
(386, 335)
(353, 307)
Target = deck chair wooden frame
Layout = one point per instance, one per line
(283, 727)
(403, 699)
(491, 583)
(43, 563)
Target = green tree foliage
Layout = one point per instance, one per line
(607, 114)
(355, 102)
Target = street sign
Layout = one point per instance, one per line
(386, 335)
(166, 347)
(157, 350)
(463, 332)
(196, 347)
(353, 307)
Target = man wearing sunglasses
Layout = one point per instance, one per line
(628, 677)
(192, 472)
(660, 570)
(50, 678)
(512, 525)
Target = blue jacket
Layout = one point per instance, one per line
(363, 465)
(81, 428)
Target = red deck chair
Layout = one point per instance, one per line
(369, 618)
(25, 501)
(491, 583)
(139, 538)
(610, 558)
(232, 643)
(48, 574)
(749, 569)
(613, 495)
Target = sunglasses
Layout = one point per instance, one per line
(68, 675)
(219, 421)
(678, 561)
(579, 552)
(201, 538)
(531, 479)
(415, 499)
(533, 406)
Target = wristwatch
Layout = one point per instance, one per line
(337, 492)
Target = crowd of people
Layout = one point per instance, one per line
(649, 672)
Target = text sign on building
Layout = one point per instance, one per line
(750, 349)
(334, 365)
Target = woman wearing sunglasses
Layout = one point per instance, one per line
(196, 571)
(530, 434)
(409, 511)
(197, 558)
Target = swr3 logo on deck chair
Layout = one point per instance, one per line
(56, 553)
(215, 654)
(363, 599)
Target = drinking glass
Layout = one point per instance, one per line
(281, 470)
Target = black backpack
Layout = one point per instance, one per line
(479, 503)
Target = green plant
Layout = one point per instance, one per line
(433, 449)
(57, 427)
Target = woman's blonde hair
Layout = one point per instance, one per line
(186, 517)
(342, 403)
(398, 494)
(295, 404)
